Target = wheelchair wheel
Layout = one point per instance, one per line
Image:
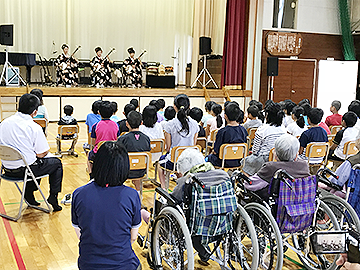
(171, 242)
(325, 221)
(242, 247)
(269, 238)
(344, 212)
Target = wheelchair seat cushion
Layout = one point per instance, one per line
(296, 206)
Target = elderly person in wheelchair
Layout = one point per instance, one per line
(286, 150)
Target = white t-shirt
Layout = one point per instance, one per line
(213, 125)
(295, 130)
(21, 132)
(265, 137)
(349, 134)
(287, 120)
(155, 132)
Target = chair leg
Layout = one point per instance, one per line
(141, 189)
(167, 180)
(22, 192)
(45, 200)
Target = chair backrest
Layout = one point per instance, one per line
(10, 153)
(177, 150)
(213, 135)
(331, 137)
(335, 129)
(139, 160)
(157, 145)
(272, 155)
(251, 133)
(233, 151)
(201, 142)
(41, 121)
(350, 148)
(317, 149)
(68, 130)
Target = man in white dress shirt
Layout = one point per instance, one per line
(22, 133)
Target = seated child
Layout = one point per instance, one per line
(104, 130)
(197, 114)
(135, 141)
(42, 111)
(93, 117)
(169, 114)
(216, 122)
(297, 127)
(252, 118)
(135, 102)
(335, 118)
(114, 107)
(155, 103)
(231, 133)
(122, 123)
(67, 120)
(289, 105)
(161, 104)
(348, 133)
(207, 114)
(313, 134)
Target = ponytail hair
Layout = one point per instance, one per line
(182, 103)
(274, 114)
(298, 112)
(216, 109)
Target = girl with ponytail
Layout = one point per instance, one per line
(216, 122)
(298, 126)
(253, 120)
(180, 131)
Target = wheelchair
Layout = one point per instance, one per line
(169, 237)
(294, 224)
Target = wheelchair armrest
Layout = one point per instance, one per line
(170, 200)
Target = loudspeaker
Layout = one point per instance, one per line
(272, 66)
(205, 46)
(6, 35)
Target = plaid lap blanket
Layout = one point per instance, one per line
(354, 196)
(296, 206)
(212, 210)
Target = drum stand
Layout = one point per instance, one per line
(203, 72)
(7, 65)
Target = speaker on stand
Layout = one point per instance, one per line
(272, 71)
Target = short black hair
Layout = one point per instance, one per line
(253, 110)
(196, 114)
(134, 119)
(95, 106)
(274, 114)
(304, 101)
(208, 105)
(240, 119)
(350, 119)
(39, 93)
(155, 104)
(134, 102)
(68, 109)
(111, 165)
(149, 116)
(28, 103)
(355, 107)
(289, 106)
(169, 113)
(306, 107)
(336, 104)
(226, 103)
(64, 46)
(114, 106)
(315, 115)
(128, 108)
(98, 49)
(105, 109)
(232, 111)
(161, 103)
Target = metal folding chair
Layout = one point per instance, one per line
(9, 153)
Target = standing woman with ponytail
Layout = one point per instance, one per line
(265, 137)
(214, 123)
(180, 131)
(297, 127)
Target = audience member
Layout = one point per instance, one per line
(216, 122)
(348, 133)
(135, 102)
(240, 119)
(67, 120)
(289, 105)
(231, 133)
(297, 127)
(207, 114)
(169, 114)
(181, 131)
(161, 104)
(197, 114)
(114, 108)
(265, 137)
(21, 132)
(252, 118)
(307, 108)
(104, 130)
(155, 103)
(313, 134)
(122, 123)
(355, 107)
(135, 141)
(42, 111)
(335, 118)
(93, 117)
(106, 214)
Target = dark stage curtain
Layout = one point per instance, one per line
(234, 43)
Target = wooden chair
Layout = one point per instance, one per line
(331, 138)
(9, 153)
(67, 132)
(140, 161)
(43, 123)
(272, 155)
(201, 142)
(335, 129)
(317, 150)
(350, 149)
(211, 141)
(123, 133)
(157, 146)
(231, 151)
(250, 138)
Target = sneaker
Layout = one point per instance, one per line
(67, 199)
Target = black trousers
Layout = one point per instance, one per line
(51, 166)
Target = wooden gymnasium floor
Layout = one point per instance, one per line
(48, 241)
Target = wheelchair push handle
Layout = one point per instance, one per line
(237, 174)
(196, 180)
(283, 176)
(321, 176)
(325, 171)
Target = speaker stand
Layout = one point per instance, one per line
(270, 88)
(203, 72)
(7, 65)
